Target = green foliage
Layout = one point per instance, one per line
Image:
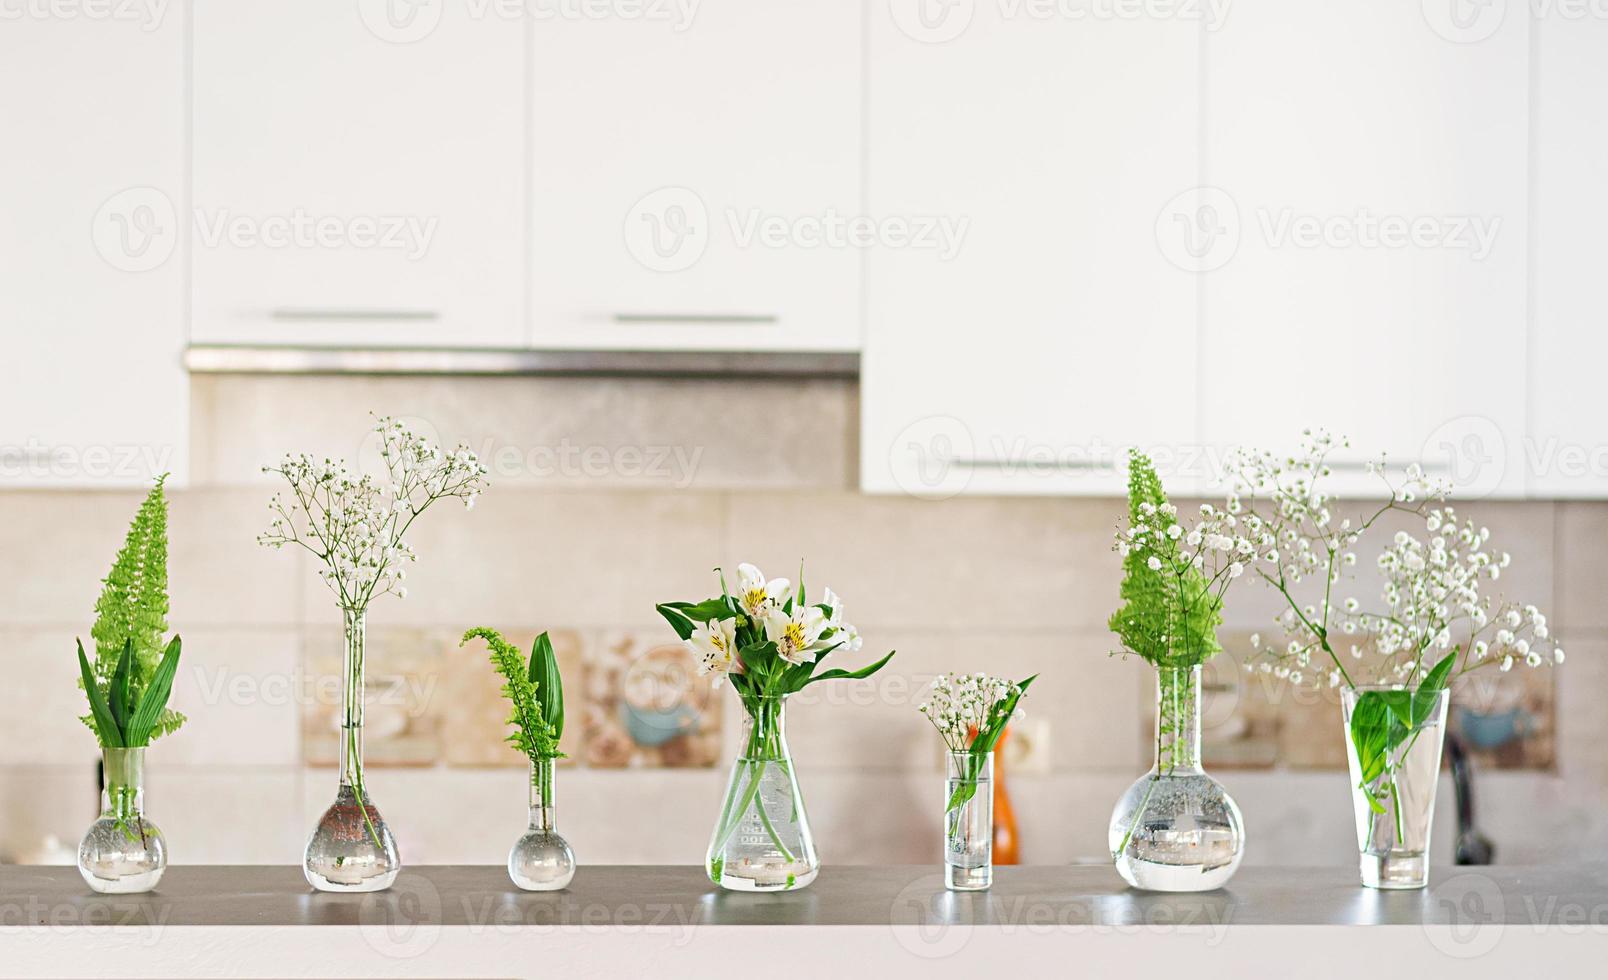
(130, 622)
(121, 717)
(538, 717)
(1382, 720)
(1169, 615)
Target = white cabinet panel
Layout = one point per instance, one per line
(358, 173)
(91, 250)
(1567, 450)
(693, 179)
(1058, 332)
(1367, 271)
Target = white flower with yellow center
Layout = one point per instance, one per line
(754, 593)
(794, 634)
(715, 645)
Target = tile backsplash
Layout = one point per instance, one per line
(612, 494)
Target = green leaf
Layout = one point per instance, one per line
(549, 685)
(673, 613)
(1370, 733)
(988, 736)
(118, 697)
(862, 673)
(155, 697)
(105, 726)
(1423, 704)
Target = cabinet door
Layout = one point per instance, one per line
(1055, 331)
(358, 173)
(1367, 273)
(696, 176)
(1566, 454)
(92, 253)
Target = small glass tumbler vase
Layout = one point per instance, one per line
(969, 822)
(1177, 829)
(1394, 838)
(762, 840)
(352, 849)
(123, 852)
(541, 860)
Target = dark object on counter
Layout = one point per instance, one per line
(1473, 847)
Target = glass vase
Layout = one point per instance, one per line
(762, 840)
(123, 852)
(969, 822)
(1394, 839)
(1177, 829)
(541, 860)
(352, 849)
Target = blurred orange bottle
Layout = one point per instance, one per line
(1007, 846)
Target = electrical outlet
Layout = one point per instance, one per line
(1027, 747)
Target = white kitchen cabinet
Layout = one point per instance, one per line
(359, 173)
(92, 252)
(1057, 332)
(693, 181)
(1364, 269)
(1566, 453)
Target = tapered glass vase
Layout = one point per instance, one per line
(1393, 826)
(969, 822)
(352, 849)
(123, 852)
(541, 860)
(762, 840)
(1177, 829)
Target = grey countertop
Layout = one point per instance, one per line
(679, 896)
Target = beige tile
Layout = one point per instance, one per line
(44, 811)
(969, 563)
(475, 713)
(1582, 566)
(242, 692)
(40, 703)
(594, 432)
(1089, 701)
(1582, 681)
(58, 546)
(228, 814)
(572, 559)
(217, 573)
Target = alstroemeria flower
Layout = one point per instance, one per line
(794, 635)
(754, 594)
(715, 644)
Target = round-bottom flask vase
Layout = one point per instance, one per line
(123, 852)
(762, 840)
(969, 821)
(1176, 829)
(352, 849)
(541, 860)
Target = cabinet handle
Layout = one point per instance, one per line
(995, 463)
(290, 313)
(726, 318)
